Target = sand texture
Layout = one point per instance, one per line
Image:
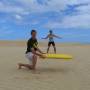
(50, 74)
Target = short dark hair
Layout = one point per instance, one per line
(33, 31)
(50, 31)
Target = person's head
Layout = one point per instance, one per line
(33, 33)
(50, 31)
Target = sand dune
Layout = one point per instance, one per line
(50, 74)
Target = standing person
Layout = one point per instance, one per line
(51, 37)
(32, 52)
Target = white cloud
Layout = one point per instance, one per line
(79, 21)
(29, 6)
(52, 5)
(4, 7)
(82, 21)
(84, 10)
(32, 6)
(18, 17)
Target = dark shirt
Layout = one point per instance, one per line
(32, 43)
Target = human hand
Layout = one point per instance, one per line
(43, 56)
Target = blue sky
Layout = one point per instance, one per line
(67, 18)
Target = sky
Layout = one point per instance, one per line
(69, 19)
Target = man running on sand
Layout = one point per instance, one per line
(51, 40)
(32, 52)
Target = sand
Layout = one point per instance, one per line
(50, 74)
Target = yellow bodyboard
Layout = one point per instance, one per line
(58, 56)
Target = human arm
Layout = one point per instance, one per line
(57, 36)
(37, 48)
(46, 37)
(38, 54)
(40, 51)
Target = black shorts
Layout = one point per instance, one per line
(51, 43)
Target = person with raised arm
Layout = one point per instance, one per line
(51, 37)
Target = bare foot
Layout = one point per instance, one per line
(19, 66)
